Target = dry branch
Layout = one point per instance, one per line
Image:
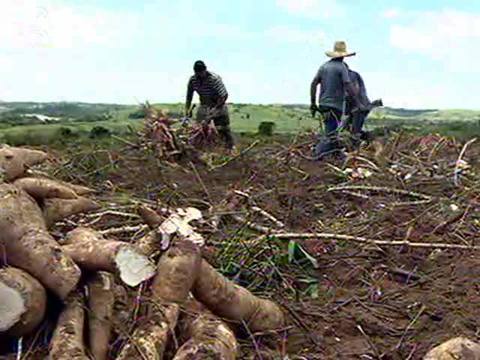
(458, 163)
(379, 189)
(368, 241)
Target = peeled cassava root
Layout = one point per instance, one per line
(91, 251)
(22, 302)
(235, 303)
(29, 246)
(67, 341)
(455, 349)
(101, 300)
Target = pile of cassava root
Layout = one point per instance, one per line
(193, 311)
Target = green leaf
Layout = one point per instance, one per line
(292, 246)
(312, 291)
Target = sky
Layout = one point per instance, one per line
(413, 54)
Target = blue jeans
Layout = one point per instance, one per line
(328, 144)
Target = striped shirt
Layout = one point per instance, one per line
(209, 89)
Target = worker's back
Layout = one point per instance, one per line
(333, 76)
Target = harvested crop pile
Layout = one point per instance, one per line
(158, 133)
(171, 140)
(28, 205)
(203, 135)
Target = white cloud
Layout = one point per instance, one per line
(51, 24)
(449, 36)
(400, 90)
(391, 13)
(312, 8)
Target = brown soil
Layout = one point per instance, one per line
(370, 302)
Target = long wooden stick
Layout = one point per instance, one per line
(243, 152)
(368, 241)
(379, 189)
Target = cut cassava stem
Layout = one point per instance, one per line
(101, 300)
(150, 217)
(91, 251)
(23, 302)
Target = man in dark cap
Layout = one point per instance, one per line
(334, 80)
(213, 96)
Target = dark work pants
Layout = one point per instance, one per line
(328, 144)
(222, 123)
(358, 120)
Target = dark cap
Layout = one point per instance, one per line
(199, 66)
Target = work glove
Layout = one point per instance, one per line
(313, 109)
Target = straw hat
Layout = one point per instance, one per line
(339, 50)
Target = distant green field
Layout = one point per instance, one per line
(45, 123)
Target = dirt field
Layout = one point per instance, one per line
(380, 280)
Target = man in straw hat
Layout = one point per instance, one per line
(334, 80)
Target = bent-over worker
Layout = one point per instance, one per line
(213, 96)
(356, 117)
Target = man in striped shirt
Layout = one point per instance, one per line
(213, 96)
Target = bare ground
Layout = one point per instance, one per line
(362, 300)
